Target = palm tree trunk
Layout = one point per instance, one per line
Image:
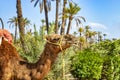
(15, 34)
(46, 16)
(21, 25)
(56, 20)
(69, 25)
(63, 18)
(2, 23)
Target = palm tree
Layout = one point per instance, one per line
(81, 30)
(26, 22)
(14, 22)
(104, 36)
(63, 18)
(70, 12)
(47, 7)
(87, 28)
(56, 16)
(87, 32)
(75, 33)
(94, 33)
(91, 35)
(43, 21)
(82, 42)
(21, 25)
(2, 23)
(99, 36)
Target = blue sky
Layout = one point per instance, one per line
(101, 15)
(105, 14)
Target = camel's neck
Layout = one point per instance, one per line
(41, 68)
(47, 59)
(50, 53)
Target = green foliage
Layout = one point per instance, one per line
(101, 61)
(51, 28)
(35, 45)
(111, 66)
(110, 51)
(87, 64)
(73, 9)
(56, 71)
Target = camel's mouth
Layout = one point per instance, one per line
(70, 39)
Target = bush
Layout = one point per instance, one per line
(87, 64)
(111, 66)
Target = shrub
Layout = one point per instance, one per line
(86, 64)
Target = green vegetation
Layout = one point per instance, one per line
(35, 45)
(87, 64)
(97, 61)
(100, 61)
(92, 58)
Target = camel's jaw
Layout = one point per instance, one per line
(0, 41)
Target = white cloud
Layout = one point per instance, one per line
(97, 25)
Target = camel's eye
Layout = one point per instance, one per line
(56, 39)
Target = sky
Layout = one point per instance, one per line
(101, 15)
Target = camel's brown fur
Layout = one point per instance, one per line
(13, 68)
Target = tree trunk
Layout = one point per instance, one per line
(69, 25)
(2, 23)
(15, 34)
(56, 20)
(21, 25)
(46, 16)
(63, 18)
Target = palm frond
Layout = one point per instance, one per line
(2, 23)
(72, 2)
(10, 25)
(49, 5)
(81, 17)
(36, 3)
(78, 21)
(71, 5)
(41, 6)
(31, 0)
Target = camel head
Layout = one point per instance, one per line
(60, 42)
(6, 35)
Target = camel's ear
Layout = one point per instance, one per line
(46, 37)
(0, 40)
